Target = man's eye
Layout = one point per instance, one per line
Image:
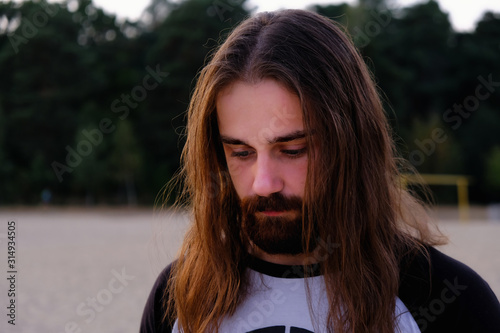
(240, 154)
(294, 153)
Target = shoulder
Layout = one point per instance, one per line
(154, 310)
(444, 295)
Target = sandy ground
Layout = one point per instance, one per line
(91, 270)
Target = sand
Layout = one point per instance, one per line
(91, 270)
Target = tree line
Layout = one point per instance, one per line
(92, 106)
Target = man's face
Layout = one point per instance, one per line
(265, 145)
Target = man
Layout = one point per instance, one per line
(300, 221)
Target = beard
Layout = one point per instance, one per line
(274, 234)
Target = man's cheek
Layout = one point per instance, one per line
(240, 180)
(235, 170)
(297, 180)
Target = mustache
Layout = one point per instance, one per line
(274, 202)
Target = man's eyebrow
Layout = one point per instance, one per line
(232, 141)
(279, 139)
(289, 137)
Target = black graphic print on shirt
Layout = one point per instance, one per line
(280, 329)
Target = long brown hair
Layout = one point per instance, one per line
(353, 195)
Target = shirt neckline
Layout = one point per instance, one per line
(284, 271)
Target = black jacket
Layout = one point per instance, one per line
(446, 296)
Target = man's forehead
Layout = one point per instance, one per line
(265, 111)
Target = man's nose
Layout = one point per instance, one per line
(267, 177)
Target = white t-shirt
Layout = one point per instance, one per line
(276, 302)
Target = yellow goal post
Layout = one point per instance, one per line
(460, 181)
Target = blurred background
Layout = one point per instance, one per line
(92, 102)
(83, 121)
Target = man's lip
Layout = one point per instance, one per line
(272, 212)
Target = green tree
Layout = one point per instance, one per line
(179, 45)
(69, 66)
(125, 162)
(493, 173)
(91, 176)
(434, 149)
(57, 58)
